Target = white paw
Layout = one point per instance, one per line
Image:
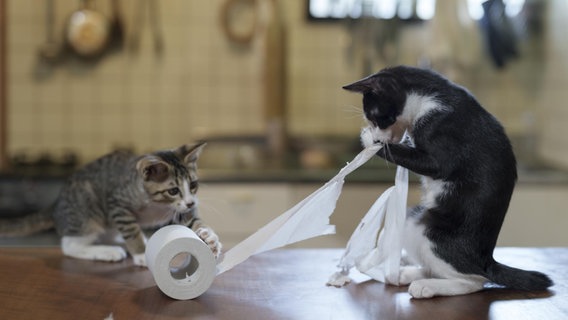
(427, 288)
(139, 259)
(409, 274)
(103, 253)
(419, 289)
(338, 279)
(211, 239)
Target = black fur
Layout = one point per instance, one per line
(464, 146)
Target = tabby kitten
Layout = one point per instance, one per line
(468, 174)
(122, 193)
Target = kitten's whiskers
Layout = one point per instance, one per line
(387, 154)
(354, 112)
(210, 209)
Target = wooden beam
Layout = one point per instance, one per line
(3, 86)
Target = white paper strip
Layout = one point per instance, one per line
(376, 244)
(308, 219)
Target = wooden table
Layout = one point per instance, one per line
(39, 283)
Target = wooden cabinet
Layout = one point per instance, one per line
(235, 211)
(536, 215)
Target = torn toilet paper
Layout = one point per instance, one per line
(375, 247)
(307, 219)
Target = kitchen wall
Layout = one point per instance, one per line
(553, 99)
(204, 85)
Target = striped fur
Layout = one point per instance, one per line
(124, 193)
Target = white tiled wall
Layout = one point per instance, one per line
(553, 102)
(204, 85)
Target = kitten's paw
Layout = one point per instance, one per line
(139, 259)
(409, 274)
(427, 288)
(419, 289)
(338, 279)
(109, 253)
(80, 247)
(100, 253)
(211, 239)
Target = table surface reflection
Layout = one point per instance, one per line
(280, 284)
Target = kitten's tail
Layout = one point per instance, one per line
(518, 279)
(26, 225)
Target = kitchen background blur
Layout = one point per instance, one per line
(261, 80)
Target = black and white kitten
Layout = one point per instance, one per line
(468, 174)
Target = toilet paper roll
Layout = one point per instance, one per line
(182, 265)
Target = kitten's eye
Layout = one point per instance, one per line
(173, 191)
(193, 186)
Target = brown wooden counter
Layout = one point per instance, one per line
(39, 283)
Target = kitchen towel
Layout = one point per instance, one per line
(307, 219)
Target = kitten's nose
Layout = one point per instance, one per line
(190, 205)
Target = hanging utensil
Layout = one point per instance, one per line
(87, 31)
(116, 39)
(138, 21)
(50, 51)
(134, 42)
(239, 19)
(500, 39)
(156, 27)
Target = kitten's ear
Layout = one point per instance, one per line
(152, 169)
(190, 153)
(361, 86)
